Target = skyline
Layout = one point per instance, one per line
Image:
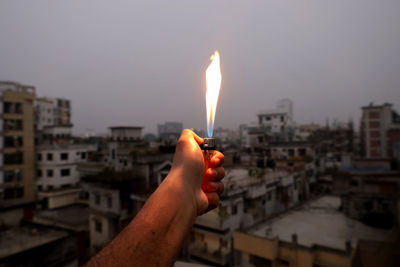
(145, 62)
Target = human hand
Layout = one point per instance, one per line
(204, 185)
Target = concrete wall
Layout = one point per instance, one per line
(248, 245)
(104, 194)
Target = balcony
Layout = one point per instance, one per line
(220, 256)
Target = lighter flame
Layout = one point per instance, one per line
(213, 83)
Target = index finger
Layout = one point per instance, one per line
(217, 160)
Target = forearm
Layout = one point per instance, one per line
(155, 235)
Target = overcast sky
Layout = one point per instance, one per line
(143, 62)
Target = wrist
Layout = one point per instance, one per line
(178, 186)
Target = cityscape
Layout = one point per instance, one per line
(295, 194)
(199, 133)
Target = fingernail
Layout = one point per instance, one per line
(214, 173)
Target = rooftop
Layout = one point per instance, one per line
(74, 217)
(23, 238)
(319, 223)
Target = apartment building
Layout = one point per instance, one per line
(52, 112)
(279, 120)
(250, 197)
(17, 141)
(57, 175)
(378, 128)
(122, 141)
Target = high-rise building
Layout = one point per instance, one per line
(376, 122)
(17, 180)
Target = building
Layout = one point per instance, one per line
(379, 131)
(123, 140)
(58, 178)
(317, 234)
(17, 135)
(279, 120)
(52, 112)
(250, 197)
(36, 245)
(58, 154)
(370, 196)
(110, 206)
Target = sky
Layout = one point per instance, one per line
(143, 62)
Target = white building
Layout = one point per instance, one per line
(52, 112)
(57, 175)
(278, 120)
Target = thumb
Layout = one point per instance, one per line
(190, 134)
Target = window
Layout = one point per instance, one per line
(374, 124)
(14, 158)
(12, 125)
(50, 173)
(373, 115)
(39, 173)
(13, 176)
(20, 192)
(64, 156)
(109, 202)
(83, 155)
(12, 193)
(12, 107)
(269, 195)
(374, 143)
(39, 157)
(234, 209)
(49, 156)
(374, 134)
(98, 226)
(302, 151)
(97, 199)
(13, 141)
(65, 172)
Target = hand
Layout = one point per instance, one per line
(204, 185)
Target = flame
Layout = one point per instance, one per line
(213, 83)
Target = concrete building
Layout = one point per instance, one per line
(250, 197)
(110, 206)
(370, 196)
(17, 154)
(376, 122)
(123, 140)
(52, 112)
(57, 173)
(317, 234)
(279, 120)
